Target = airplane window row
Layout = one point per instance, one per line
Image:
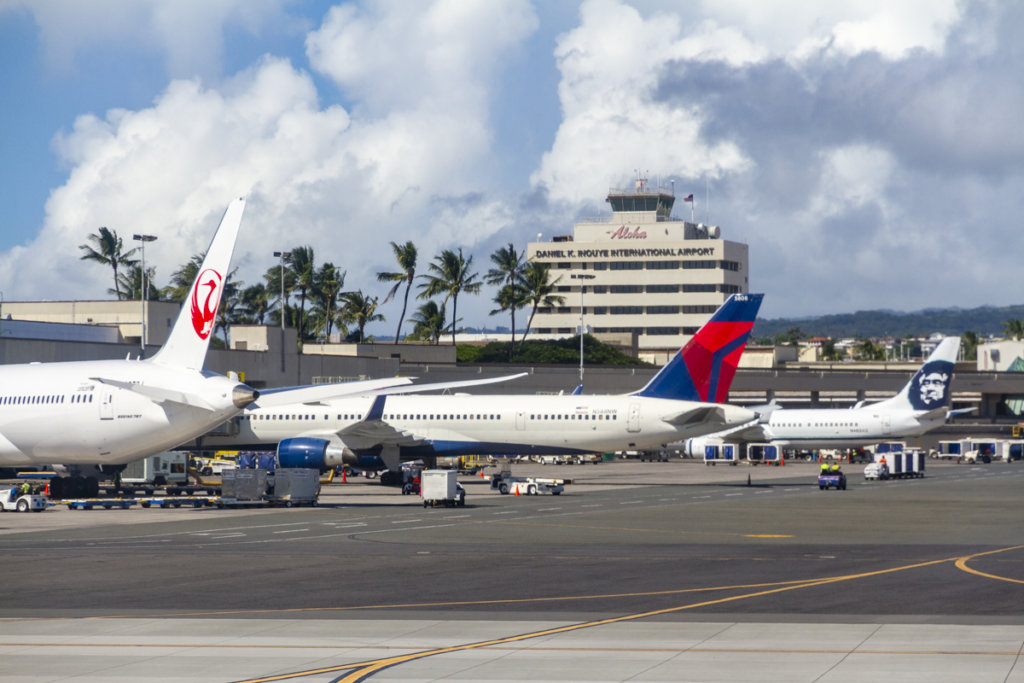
(396, 416)
(573, 416)
(818, 424)
(43, 400)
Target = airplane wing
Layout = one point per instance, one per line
(715, 414)
(271, 398)
(373, 431)
(157, 394)
(322, 394)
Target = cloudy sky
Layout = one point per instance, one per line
(871, 153)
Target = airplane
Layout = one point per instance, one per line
(685, 398)
(922, 405)
(93, 417)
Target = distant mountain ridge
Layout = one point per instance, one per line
(985, 320)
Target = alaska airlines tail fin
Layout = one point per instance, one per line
(703, 369)
(186, 346)
(928, 389)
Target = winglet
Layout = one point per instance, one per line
(190, 337)
(703, 369)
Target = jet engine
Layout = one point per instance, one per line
(320, 454)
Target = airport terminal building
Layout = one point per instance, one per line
(641, 276)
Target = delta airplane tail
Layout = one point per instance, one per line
(928, 389)
(186, 346)
(703, 369)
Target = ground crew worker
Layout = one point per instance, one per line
(824, 467)
(26, 489)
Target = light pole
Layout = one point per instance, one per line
(581, 277)
(143, 239)
(282, 255)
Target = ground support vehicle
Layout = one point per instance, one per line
(898, 465)
(177, 501)
(983, 450)
(835, 480)
(170, 467)
(13, 499)
(441, 487)
(105, 503)
(505, 483)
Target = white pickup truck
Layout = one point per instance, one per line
(13, 499)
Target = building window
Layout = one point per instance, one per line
(663, 310)
(626, 289)
(600, 265)
(662, 265)
(694, 289)
(663, 289)
(625, 310)
(600, 310)
(626, 265)
(653, 331)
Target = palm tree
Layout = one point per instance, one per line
(107, 248)
(182, 279)
(508, 274)
(131, 284)
(272, 282)
(510, 297)
(359, 309)
(329, 282)
(255, 302)
(451, 276)
(406, 255)
(538, 291)
(428, 322)
(1014, 329)
(302, 265)
(970, 341)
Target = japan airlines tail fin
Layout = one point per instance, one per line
(703, 369)
(928, 389)
(186, 346)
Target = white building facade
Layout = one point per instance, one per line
(640, 272)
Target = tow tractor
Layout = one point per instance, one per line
(11, 499)
(832, 479)
(504, 482)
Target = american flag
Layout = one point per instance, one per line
(688, 198)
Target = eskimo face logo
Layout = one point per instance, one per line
(205, 297)
(931, 385)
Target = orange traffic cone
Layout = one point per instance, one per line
(517, 490)
(344, 475)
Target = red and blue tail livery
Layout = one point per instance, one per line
(703, 369)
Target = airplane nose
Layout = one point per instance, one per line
(243, 395)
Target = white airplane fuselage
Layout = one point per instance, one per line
(58, 413)
(831, 428)
(505, 424)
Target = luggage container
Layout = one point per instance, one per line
(244, 487)
(718, 451)
(767, 453)
(295, 486)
